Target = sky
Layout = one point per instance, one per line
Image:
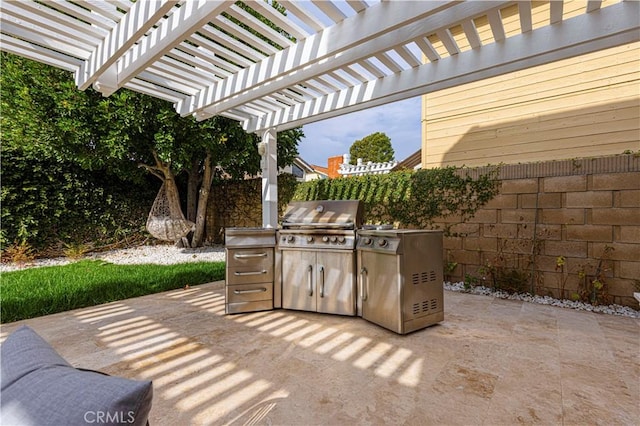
(400, 121)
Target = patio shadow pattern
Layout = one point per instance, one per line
(490, 362)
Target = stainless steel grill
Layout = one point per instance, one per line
(317, 243)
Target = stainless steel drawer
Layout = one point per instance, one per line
(249, 275)
(255, 257)
(240, 307)
(249, 292)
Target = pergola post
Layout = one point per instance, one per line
(269, 163)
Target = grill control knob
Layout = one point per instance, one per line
(325, 239)
(383, 243)
(309, 239)
(291, 238)
(367, 241)
(341, 240)
(334, 239)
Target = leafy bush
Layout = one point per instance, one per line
(47, 200)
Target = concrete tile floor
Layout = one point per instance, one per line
(491, 362)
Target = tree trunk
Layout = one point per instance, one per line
(192, 190)
(203, 201)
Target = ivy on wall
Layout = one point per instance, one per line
(414, 199)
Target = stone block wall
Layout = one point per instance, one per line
(575, 208)
(234, 204)
(587, 211)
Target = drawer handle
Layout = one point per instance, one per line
(249, 256)
(256, 290)
(242, 274)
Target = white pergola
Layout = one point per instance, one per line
(330, 57)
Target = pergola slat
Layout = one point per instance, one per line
(495, 22)
(188, 18)
(304, 16)
(140, 18)
(330, 9)
(593, 5)
(345, 40)
(17, 10)
(34, 52)
(575, 37)
(42, 37)
(278, 19)
(447, 40)
(555, 9)
(524, 10)
(427, 49)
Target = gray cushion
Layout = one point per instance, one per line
(38, 387)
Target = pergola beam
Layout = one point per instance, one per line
(181, 24)
(605, 28)
(140, 19)
(337, 46)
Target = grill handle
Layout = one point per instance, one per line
(256, 290)
(363, 276)
(249, 256)
(244, 274)
(321, 281)
(310, 281)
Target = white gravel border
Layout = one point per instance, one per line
(545, 300)
(160, 255)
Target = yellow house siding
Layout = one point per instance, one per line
(583, 106)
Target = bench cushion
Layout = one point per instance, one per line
(39, 387)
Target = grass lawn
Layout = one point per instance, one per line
(42, 291)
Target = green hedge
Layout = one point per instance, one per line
(409, 198)
(46, 201)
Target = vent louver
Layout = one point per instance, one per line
(424, 277)
(424, 307)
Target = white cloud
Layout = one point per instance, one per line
(400, 121)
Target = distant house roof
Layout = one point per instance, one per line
(414, 161)
(308, 168)
(321, 170)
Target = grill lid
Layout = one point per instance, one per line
(336, 214)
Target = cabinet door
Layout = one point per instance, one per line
(298, 280)
(336, 283)
(380, 290)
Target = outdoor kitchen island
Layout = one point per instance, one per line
(321, 260)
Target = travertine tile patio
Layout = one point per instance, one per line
(491, 362)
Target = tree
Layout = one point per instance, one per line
(60, 183)
(43, 112)
(376, 148)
